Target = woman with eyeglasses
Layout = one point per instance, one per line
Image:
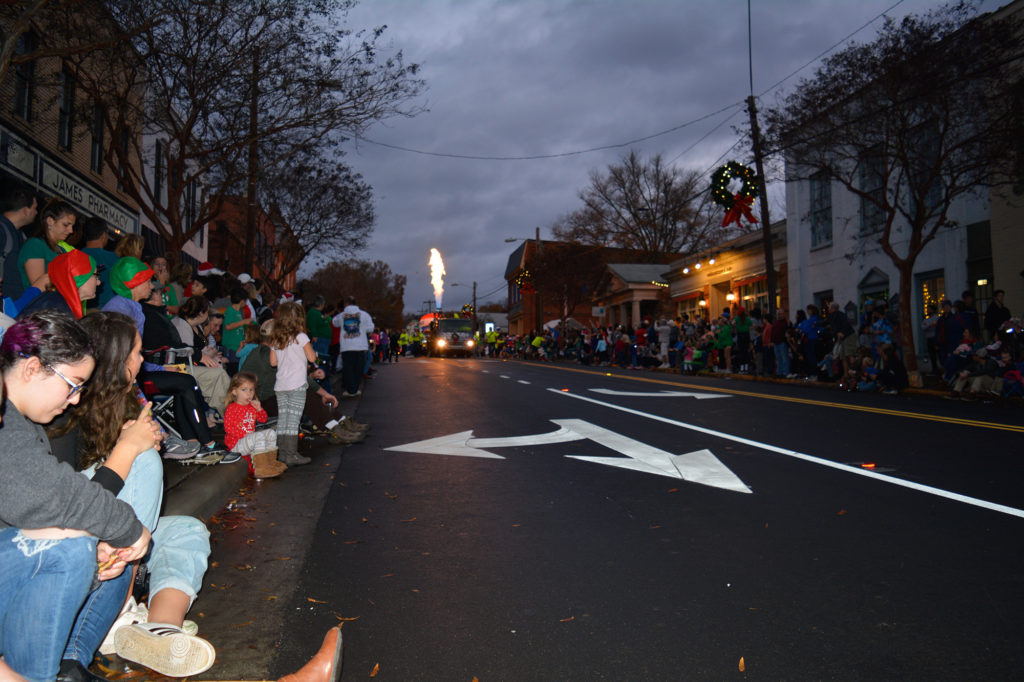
(60, 533)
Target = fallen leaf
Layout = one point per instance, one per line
(388, 575)
(352, 542)
(655, 527)
(516, 525)
(282, 558)
(242, 625)
(327, 464)
(244, 567)
(376, 669)
(673, 490)
(409, 520)
(214, 564)
(344, 619)
(315, 601)
(566, 620)
(249, 518)
(841, 512)
(271, 597)
(364, 519)
(249, 542)
(743, 666)
(334, 532)
(415, 590)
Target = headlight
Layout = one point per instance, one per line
(441, 343)
(469, 344)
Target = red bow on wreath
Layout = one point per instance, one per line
(740, 209)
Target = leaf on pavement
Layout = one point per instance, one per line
(282, 558)
(315, 601)
(244, 567)
(376, 669)
(673, 490)
(566, 620)
(409, 520)
(271, 597)
(352, 542)
(214, 564)
(388, 575)
(655, 527)
(841, 512)
(343, 618)
(242, 625)
(743, 666)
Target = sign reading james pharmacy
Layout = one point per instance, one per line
(32, 164)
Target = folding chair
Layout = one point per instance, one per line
(162, 404)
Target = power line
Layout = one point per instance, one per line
(550, 156)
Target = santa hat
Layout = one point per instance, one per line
(128, 273)
(287, 297)
(67, 272)
(206, 268)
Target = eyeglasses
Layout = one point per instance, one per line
(75, 388)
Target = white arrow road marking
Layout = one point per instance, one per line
(453, 444)
(985, 504)
(697, 467)
(660, 394)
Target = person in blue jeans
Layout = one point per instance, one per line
(178, 559)
(61, 535)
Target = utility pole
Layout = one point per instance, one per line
(249, 247)
(538, 325)
(762, 190)
(762, 186)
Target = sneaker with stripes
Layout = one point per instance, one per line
(164, 648)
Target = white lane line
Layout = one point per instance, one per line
(966, 499)
(504, 376)
(526, 383)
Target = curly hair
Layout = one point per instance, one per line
(109, 399)
(289, 322)
(50, 335)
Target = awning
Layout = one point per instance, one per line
(688, 296)
(749, 279)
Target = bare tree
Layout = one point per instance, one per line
(376, 288)
(910, 123)
(644, 205)
(326, 207)
(229, 88)
(566, 273)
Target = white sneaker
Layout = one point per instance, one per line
(165, 649)
(131, 614)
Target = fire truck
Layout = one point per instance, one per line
(448, 334)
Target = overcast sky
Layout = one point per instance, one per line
(518, 78)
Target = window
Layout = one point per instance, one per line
(66, 122)
(24, 77)
(96, 148)
(754, 294)
(125, 138)
(872, 183)
(821, 210)
(158, 173)
(924, 161)
(823, 299)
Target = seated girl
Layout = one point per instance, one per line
(58, 530)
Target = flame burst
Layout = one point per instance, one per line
(437, 274)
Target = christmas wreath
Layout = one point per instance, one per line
(736, 205)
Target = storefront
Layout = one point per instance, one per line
(24, 162)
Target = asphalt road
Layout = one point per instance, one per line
(726, 530)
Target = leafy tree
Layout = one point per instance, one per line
(235, 90)
(644, 205)
(909, 123)
(377, 290)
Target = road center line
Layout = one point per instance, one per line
(957, 497)
(804, 401)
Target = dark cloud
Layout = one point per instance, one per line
(527, 78)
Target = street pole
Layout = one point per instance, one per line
(762, 190)
(536, 294)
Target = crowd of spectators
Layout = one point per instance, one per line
(96, 338)
(974, 356)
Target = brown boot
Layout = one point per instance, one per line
(265, 464)
(325, 666)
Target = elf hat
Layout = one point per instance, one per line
(128, 273)
(67, 272)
